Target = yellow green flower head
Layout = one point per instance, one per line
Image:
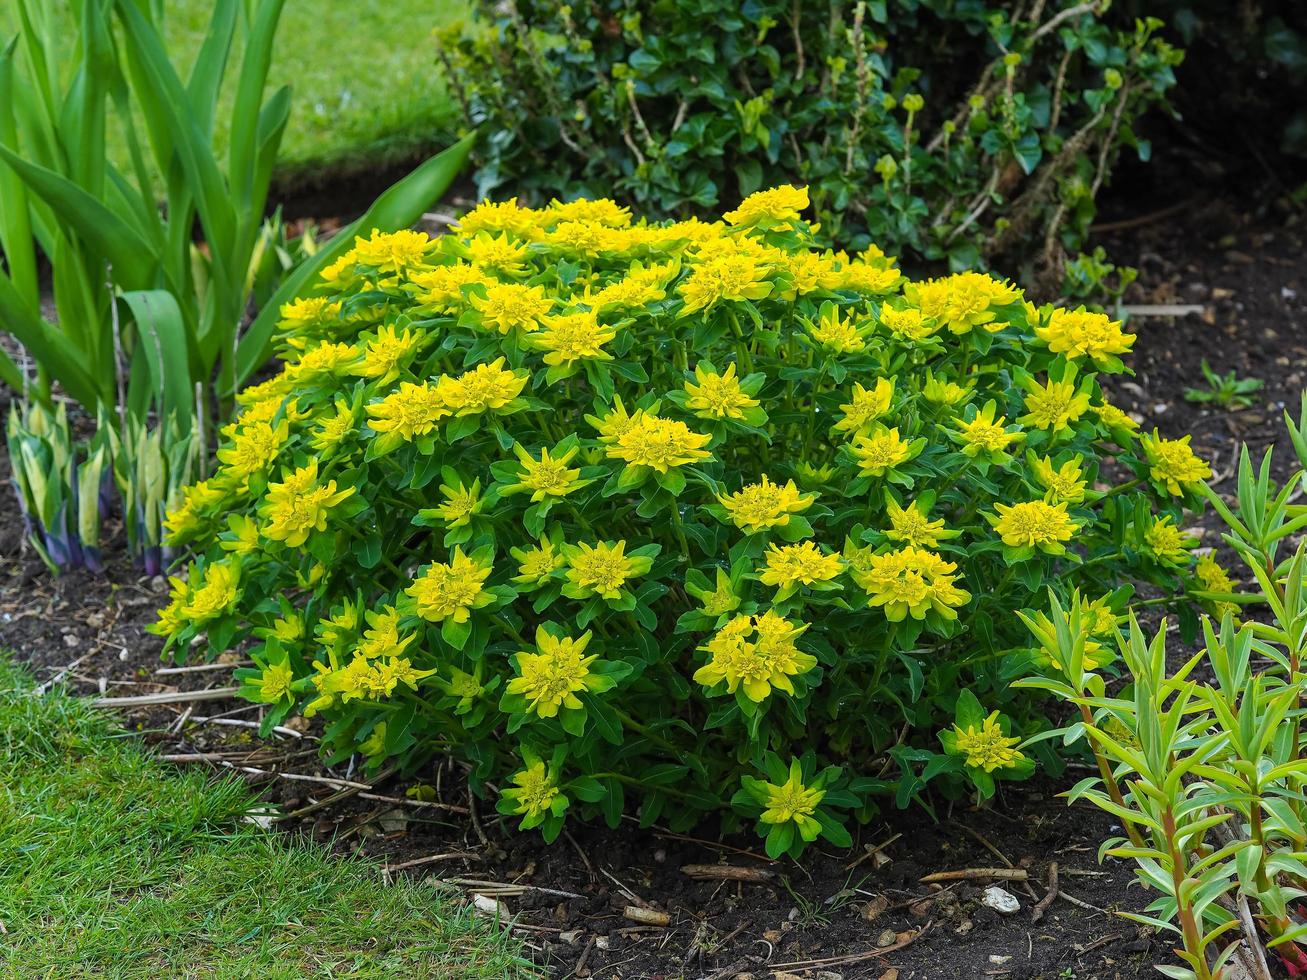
(793, 802)
(911, 525)
(392, 252)
(963, 301)
(214, 594)
(755, 654)
(731, 278)
(987, 747)
(382, 639)
(867, 278)
(551, 676)
(1172, 464)
(1213, 578)
(409, 412)
(460, 503)
(451, 591)
(838, 334)
(717, 396)
(289, 628)
(536, 565)
(602, 569)
(1063, 483)
(534, 793)
(242, 535)
(511, 306)
(777, 205)
(1035, 524)
(333, 429)
(275, 682)
(600, 211)
(440, 290)
(387, 354)
(659, 444)
(1080, 333)
(547, 476)
(641, 287)
(499, 252)
(866, 406)
(788, 566)
(491, 216)
(486, 388)
(299, 505)
(467, 688)
(985, 434)
(908, 324)
(909, 582)
(185, 519)
(1167, 543)
(1053, 405)
(252, 449)
(572, 337)
(324, 360)
(941, 392)
(1114, 418)
(765, 504)
(311, 316)
(879, 450)
(718, 601)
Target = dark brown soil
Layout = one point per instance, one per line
(579, 903)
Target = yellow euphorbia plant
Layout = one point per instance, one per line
(680, 518)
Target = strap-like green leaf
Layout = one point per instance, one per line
(47, 345)
(211, 63)
(107, 235)
(249, 99)
(161, 336)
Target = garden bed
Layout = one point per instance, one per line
(862, 913)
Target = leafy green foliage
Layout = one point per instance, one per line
(148, 320)
(687, 519)
(1203, 764)
(1224, 390)
(951, 131)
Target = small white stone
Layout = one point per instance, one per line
(1002, 902)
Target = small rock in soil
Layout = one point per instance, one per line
(1001, 901)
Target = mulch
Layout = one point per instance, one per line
(638, 903)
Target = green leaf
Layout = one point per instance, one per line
(105, 233)
(162, 340)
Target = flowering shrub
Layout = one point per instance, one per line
(686, 518)
(937, 128)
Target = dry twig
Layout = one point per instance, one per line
(727, 872)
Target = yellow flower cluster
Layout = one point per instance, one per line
(986, 747)
(755, 654)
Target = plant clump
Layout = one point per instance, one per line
(683, 518)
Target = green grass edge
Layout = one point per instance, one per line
(113, 864)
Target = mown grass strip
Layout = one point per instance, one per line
(113, 865)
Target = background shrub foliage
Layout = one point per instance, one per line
(678, 105)
(691, 518)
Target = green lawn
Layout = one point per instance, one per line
(367, 85)
(114, 866)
